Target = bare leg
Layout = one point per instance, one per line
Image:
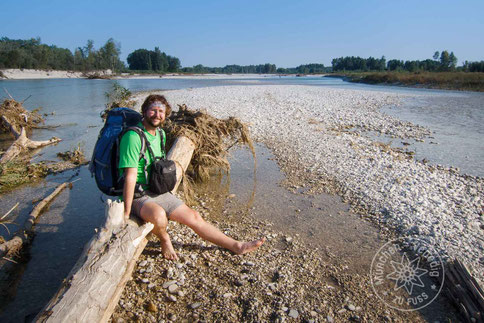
(185, 215)
(152, 212)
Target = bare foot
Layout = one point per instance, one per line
(167, 250)
(250, 246)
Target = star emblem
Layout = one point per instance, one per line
(407, 274)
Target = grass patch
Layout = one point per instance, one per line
(16, 173)
(464, 81)
(119, 96)
(75, 156)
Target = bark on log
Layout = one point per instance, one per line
(13, 246)
(465, 291)
(22, 142)
(181, 152)
(94, 285)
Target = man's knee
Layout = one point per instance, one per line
(154, 214)
(193, 218)
(160, 219)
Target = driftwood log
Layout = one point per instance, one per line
(13, 246)
(94, 286)
(22, 142)
(464, 290)
(180, 150)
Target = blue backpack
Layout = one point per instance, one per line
(105, 157)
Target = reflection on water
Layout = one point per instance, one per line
(323, 221)
(60, 235)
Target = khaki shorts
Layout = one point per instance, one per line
(167, 201)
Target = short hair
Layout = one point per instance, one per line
(153, 98)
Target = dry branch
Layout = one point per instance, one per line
(212, 138)
(10, 211)
(22, 142)
(13, 246)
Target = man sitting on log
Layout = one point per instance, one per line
(157, 209)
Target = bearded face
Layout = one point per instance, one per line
(155, 115)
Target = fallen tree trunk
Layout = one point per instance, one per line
(464, 290)
(13, 246)
(22, 142)
(181, 151)
(94, 286)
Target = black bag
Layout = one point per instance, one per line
(163, 176)
(163, 171)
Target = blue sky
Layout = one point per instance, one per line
(286, 33)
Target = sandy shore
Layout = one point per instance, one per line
(25, 74)
(318, 136)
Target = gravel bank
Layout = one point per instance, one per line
(282, 281)
(317, 134)
(318, 138)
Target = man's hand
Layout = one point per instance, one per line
(126, 216)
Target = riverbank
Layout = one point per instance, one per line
(286, 279)
(433, 80)
(309, 131)
(318, 138)
(25, 74)
(323, 131)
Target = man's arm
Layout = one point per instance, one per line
(130, 175)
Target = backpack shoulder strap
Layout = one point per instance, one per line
(162, 139)
(145, 144)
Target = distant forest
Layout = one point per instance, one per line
(32, 54)
(441, 62)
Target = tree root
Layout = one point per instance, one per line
(22, 142)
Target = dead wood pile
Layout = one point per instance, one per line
(18, 116)
(212, 138)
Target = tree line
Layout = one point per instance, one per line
(440, 62)
(258, 69)
(232, 69)
(32, 54)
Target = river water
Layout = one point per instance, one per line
(455, 118)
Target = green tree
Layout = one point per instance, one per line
(140, 60)
(109, 55)
(445, 60)
(173, 64)
(453, 60)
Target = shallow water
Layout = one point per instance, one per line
(457, 124)
(455, 118)
(322, 220)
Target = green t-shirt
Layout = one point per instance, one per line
(130, 148)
